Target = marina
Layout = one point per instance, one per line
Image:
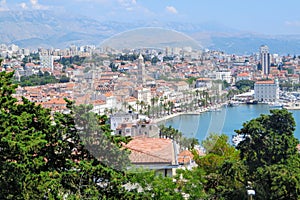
(224, 121)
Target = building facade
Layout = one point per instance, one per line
(224, 76)
(266, 91)
(141, 76)
(47, 61)
(265, 59)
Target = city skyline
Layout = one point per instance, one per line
(262, 17)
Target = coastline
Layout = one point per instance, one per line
(164, 118)
(194, 112)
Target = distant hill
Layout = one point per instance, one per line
(34, 29)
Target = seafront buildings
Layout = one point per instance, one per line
(266, 91)
(134, 77)
(136, 88)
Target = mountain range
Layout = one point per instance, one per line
(45, 28)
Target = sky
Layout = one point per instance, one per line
(270, 17)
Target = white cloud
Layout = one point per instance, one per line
(95, 1)
(292, 23)
(3, 6)
(127, 3)
(35, 5)
(34, 2)
(23, 5)
(171, 9)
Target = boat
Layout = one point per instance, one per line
(252, 101)
(292, 106)
(215, 110)
(233, 103)
(275, 105)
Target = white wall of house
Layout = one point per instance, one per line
(266, 92)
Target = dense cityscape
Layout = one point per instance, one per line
(150, 100)
(137, 89)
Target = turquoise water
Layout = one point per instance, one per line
(225, 121)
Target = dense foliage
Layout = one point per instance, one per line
(43, 157)
(177, 136)
(245, 85)
(41, 79)
(69, 61)
(270, 155)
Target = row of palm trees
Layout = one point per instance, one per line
(161, 106)
(177, 136)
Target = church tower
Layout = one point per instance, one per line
(141, 76)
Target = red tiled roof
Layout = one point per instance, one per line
(243, 74)
(203, 79)
(151, 151)
(185, 157)
(265, 82)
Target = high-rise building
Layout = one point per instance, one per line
(265, 59)
(141, 71)
(47, 61)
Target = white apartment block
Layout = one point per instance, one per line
(46, 61)
(224, 76)
(266, 91)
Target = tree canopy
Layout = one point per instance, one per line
(270, 155)
(245, 85)
(42, 155)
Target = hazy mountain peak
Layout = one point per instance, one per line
(36, 28)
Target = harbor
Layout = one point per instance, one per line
(226, 121)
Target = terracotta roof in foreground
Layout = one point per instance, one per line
(151, 151)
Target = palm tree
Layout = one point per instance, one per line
(148, 110)
(106, 111)
(137, 105)
(143, 105)
(197, 93)
(206, 96)
(156, 108)
(161, 105)
(130, 107)
(170, 107)
(125, 104)
(165, 107)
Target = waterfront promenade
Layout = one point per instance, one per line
(194, 112)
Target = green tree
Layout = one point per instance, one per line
(270, 155)
(43, 156)
(243, 85)
(191, 183)
(223, 168)
(269, 139)
(191, 81)
(153, 186)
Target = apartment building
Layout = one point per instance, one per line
(266, 91)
